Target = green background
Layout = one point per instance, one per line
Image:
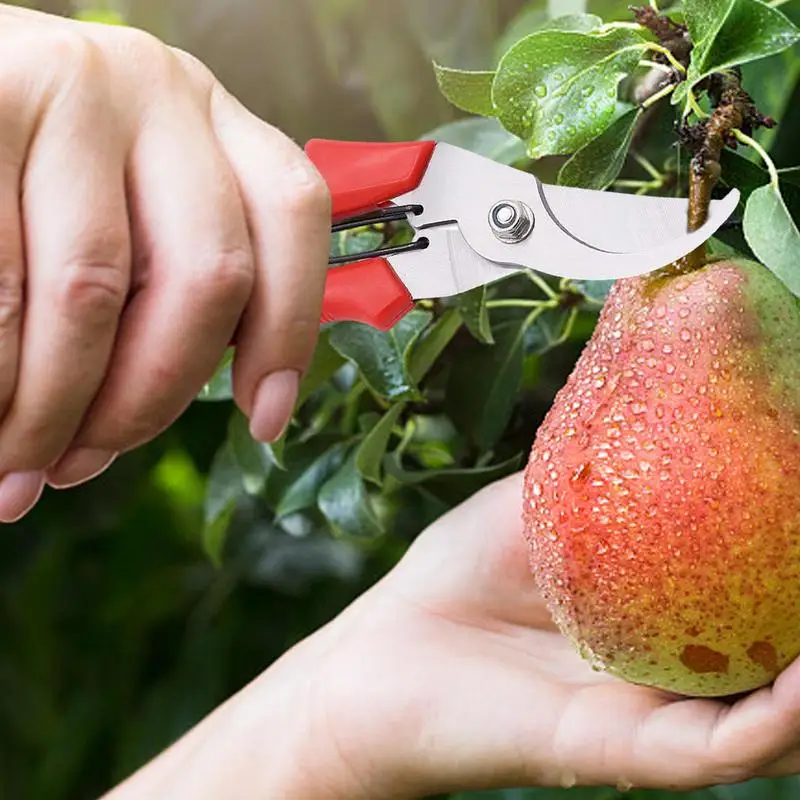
(117, 632)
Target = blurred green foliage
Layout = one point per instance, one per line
(119, 632)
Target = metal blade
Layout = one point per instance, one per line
(578, 233)
(625, 223)
(449, 266)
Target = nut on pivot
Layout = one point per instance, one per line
(511, 221)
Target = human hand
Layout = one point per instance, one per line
(145, 218)
(449, 675)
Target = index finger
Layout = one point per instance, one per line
(289, 213)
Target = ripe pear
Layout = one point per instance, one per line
(662, 494)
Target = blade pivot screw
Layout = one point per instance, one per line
(511, 221)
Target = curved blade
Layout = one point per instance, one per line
(600, 236)
(578, 233)
(626, 223)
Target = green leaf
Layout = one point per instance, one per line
(774, 97)
(597, 164)
(433, 441)
(346, 504)
(727, 33)
(325, 363)
(484, 385)
(302, 493)
(773, 236)
(740, 173)
(475, 314)
(535, 19)
(220, 387)
(557, 90)
(433, 343)
(486, 137)
(225, 489)
(468, 90)
(550, 330)
(594, 291)
(760, 789)
(383, 357)
(254, 459)
(453, 485)
(355, 242)
(578, 793)
(370, 453)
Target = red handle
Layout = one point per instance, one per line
(363, 175)
(366, 291)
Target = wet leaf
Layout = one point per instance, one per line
(453, 485)
(594, 291)
(346, 504)
(485, 383)
(597, 164)
(470, 91)
(773, 235)
(433, 343)
(325, 362)
(475, 314)
(220, 387)
(369, 456)
(254, 459)
(302, 493)
(484, 136)
(557, 90)
(727, 33)
(383, 357)
(225, 489)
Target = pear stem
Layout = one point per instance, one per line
(734, 116)
(542, 284)
(521, 304)
(774, 178)
(658, 48)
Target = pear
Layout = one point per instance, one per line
(662, 494)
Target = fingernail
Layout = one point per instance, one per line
(19, 493)
(274, 404)
(78, 466)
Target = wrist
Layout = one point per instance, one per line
(270, 740)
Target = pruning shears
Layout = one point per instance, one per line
(477, 221)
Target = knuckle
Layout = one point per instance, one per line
(724, 770)
(194, 68)
(30, 444)
(306, 192)
(141, 49)
(68, 46)
(146, 417)
(93, 292)
(297, 337)
(228, 276)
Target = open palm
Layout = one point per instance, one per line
(456, 655)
